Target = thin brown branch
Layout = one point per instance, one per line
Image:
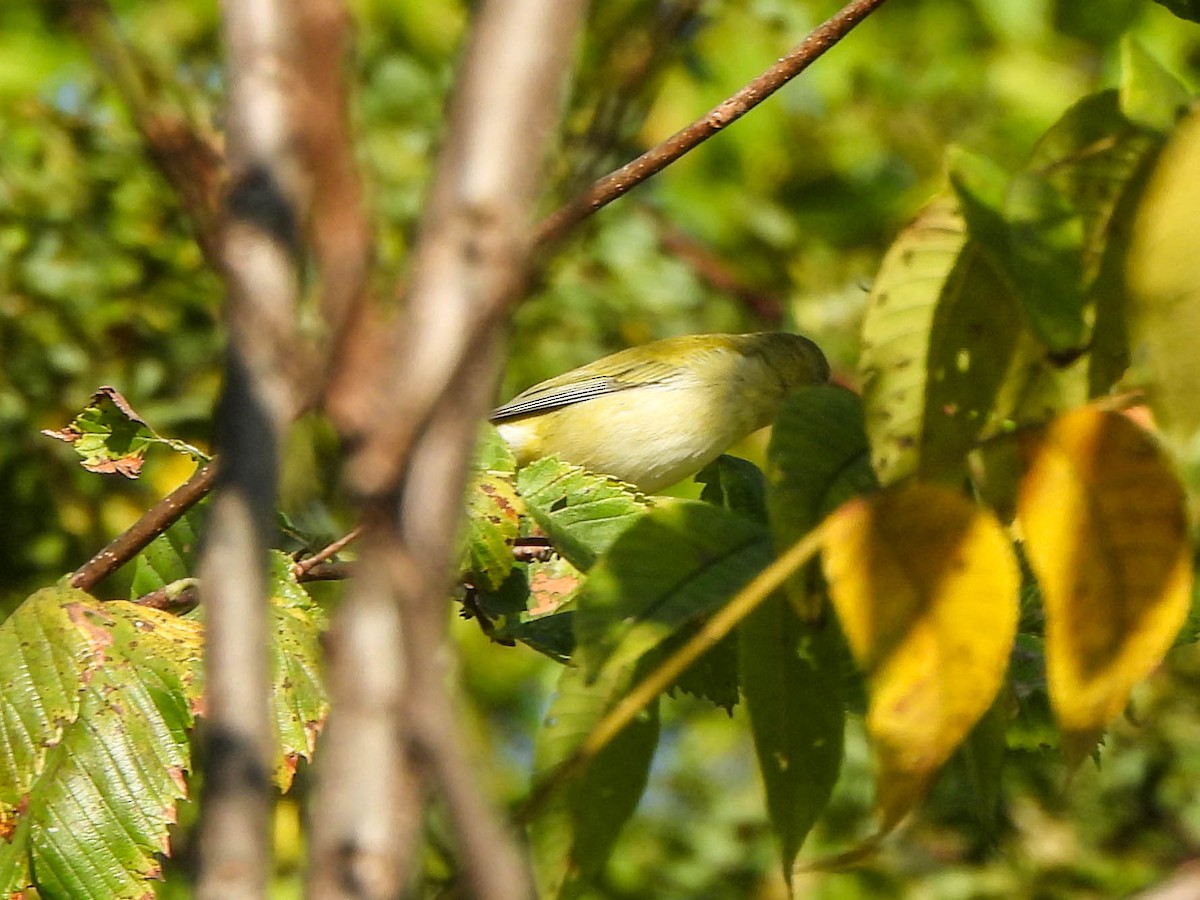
(329, 571)
(616, 184)
(187, 153)
(260, 254)
(177, 597)
(305, 566)
(154, 522)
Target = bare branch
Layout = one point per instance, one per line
(154, 522)
(305, 566)
(260, 249)
(414, 420)
(341, 234)
(616, 184)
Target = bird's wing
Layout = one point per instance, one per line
(586, 383)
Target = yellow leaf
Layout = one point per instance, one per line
(1105, 532)
(925, 585)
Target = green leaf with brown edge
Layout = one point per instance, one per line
(896, 328)
(572, 838)
(299, 704)
(110, 437)
(94, 725)
(581, 513)
(670, 568)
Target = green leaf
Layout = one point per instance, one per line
(493, 523)
(1045, 260)
(581, 513)
(111, 438)
(1185, 9)
(1150, 95)
(171, 556)
(573, 838)
(818, 458)
(533, 606)
(671, 567)
(712, 677)
(791, 676)
(736, 485)
(299, 703)
(896, 331)
(94, 728)
(1032, 237)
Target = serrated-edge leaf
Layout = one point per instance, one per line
(493, 522)
(672, 566)
(89, 792)
(298, 699)
(581, 513)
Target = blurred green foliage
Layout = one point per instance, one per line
(780, 221)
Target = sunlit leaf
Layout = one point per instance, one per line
(299, 704)
(1150, 95)
(925, 586)
(1105, 532)
(94, 723)
(581, 513)
(895, 344)
(572, 839)
(493, 521)
(111, 438)
(1164, 286)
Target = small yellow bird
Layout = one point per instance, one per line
(655, 414)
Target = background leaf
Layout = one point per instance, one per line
(1105, 532)
(572, 839)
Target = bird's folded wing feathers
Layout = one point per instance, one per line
(585, 384)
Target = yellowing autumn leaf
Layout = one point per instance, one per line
(925, 585)
(1106, 535)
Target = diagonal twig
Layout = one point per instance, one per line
(616, 184)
